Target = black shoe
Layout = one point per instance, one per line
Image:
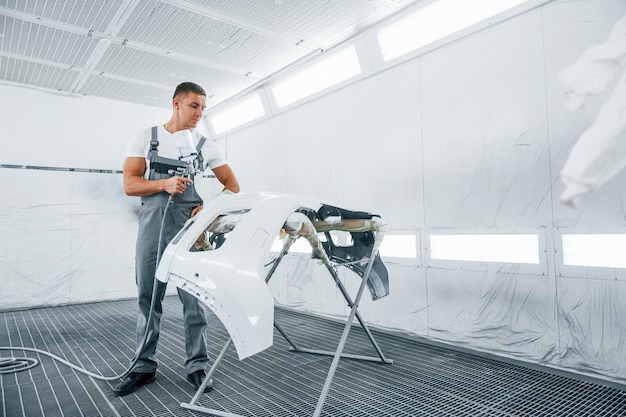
(196, 379)
(132, 382)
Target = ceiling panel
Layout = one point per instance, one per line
(100, 86)
(88, 14)
(18, 71)
(170, 27)
(178, 29)
(167, 72)
(41, 42)
(314, 22)
(139, 50)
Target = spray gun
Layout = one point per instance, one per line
(189, 170)
(187, 153)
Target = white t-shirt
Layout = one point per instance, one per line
(139, 146)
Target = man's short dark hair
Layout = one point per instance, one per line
(188, 87)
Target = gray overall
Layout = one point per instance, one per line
(150, 220)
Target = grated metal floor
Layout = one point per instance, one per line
(424, 380)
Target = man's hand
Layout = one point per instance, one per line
(136, 185)
(176, 185)
(195, 211)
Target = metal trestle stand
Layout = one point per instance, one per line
(338, 354)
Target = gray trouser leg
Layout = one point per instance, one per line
(195, 326)
(195, 323)
(147, 242)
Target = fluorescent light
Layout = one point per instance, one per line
(486, 248)
(317, 77)
(600, 250)
(238, 114)
(399, 246)
(436, 21)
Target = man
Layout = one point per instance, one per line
(151, 157)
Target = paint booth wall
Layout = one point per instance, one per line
(68, 237)
(468, 138)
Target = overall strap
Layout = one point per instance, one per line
(158, 163)
(154, 144)
(199, 150)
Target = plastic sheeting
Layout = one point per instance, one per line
(68, 237)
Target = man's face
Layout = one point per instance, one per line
(189, 109)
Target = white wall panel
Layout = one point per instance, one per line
(37, 127)
(406, 306)
(486, 161)
(381, 146)
(592, 331)
(36, 228)
(55, 130)
(507, 314)
(103, 235)
(101, 130)
(68, 237)
(259, 156)
(314, 146)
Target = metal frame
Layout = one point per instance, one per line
(351, 304)
(338, 354)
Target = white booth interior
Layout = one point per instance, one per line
(468, 139)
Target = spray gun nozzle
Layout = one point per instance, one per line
(187, 171)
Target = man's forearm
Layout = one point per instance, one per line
(141, 187)
(232, 186)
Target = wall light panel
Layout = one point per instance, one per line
(324, 74)
(520, 248)
(436, 21)
(238, 114)
(399, 246)
(597, 250)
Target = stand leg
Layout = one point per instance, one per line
(210, 374)
(345, 294)
(344, 338)
(276, 262)
(293, 344)
(343, 290)
(282, 254)
(354, 312)
(209, 411)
